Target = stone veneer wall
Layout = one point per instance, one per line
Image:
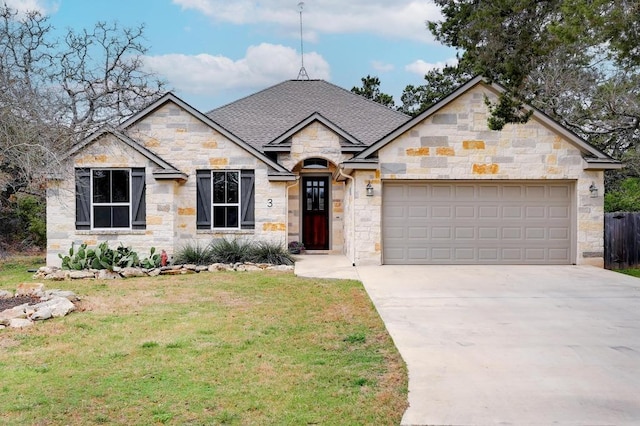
(188, 144)
(316, 141)
(455, 143)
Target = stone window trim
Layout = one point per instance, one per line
(242, 232)
(85, 205)
(206, 203)
(115, 232)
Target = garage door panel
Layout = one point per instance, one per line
(512, 212)
(465, 212)
(417, 212)
(440, 192)
(451, 222)
(488, 233)
(560, 212)
(464, 253)
(559, 192)
(488, 212)
(441, 212)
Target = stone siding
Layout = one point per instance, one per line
(188, 144)
(316, 141)
(455, 143)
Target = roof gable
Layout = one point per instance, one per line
(592, 155)
(170, 97)
(165, 169)
(283, 142)
(262, 118)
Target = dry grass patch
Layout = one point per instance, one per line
(219, 348)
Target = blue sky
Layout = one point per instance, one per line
(212, 52)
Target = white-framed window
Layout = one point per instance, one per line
(225, 199)
(110, 198)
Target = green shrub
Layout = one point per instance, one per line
(624, 199)
(31, 211)
(194, 253)
(231, 251)
(266, 252)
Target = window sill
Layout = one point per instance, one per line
(113, 232)
(226, 231)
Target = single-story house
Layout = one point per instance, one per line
(308, 161)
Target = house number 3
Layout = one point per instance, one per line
(270, 202)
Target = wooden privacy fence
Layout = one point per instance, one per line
(621, 240)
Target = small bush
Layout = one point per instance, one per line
(194, 253)
(231, 251)
(265, 252)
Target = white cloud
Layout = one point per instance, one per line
(22, 6)
(381, 66)
(262, 66)
(404, 19)
(421, 67)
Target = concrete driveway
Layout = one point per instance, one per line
(521, 345)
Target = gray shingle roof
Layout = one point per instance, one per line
(260, 118)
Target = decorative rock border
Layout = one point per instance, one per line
(56, 274)
(52, 304)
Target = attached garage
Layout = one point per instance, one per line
(467, 222)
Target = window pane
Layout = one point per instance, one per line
(101, 186)
(120, 186)
(309, 198)
(120, 216)
(321, 198)
(232, 187)
(218, 187)
(102, 217)
(232, 217)
(219, 217)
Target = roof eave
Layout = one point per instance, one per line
(281, 177)
(369, 164)
(170, 175)
(601, 164)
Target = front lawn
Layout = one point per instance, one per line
(211, 348)
(633, 272)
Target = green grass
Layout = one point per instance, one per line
(211, 348)
(14, 270)
(633, 272)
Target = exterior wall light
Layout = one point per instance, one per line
(369, 189)
(593, 190)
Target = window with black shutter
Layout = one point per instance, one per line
(225, 199)
(110, 199)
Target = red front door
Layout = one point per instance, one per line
(315, 213)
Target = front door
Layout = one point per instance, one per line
(315, 212)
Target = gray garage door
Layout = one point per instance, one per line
(477, 223)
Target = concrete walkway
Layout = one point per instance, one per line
(325, 266)
(508, 345)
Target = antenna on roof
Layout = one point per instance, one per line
(302, 75)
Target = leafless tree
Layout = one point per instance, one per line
(54, 92)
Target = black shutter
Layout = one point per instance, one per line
(83, 199)
(203, 205)
(138, 201)
(247, 199)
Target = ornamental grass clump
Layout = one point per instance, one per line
(266, 252)
(194, 253)
(231, 251)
